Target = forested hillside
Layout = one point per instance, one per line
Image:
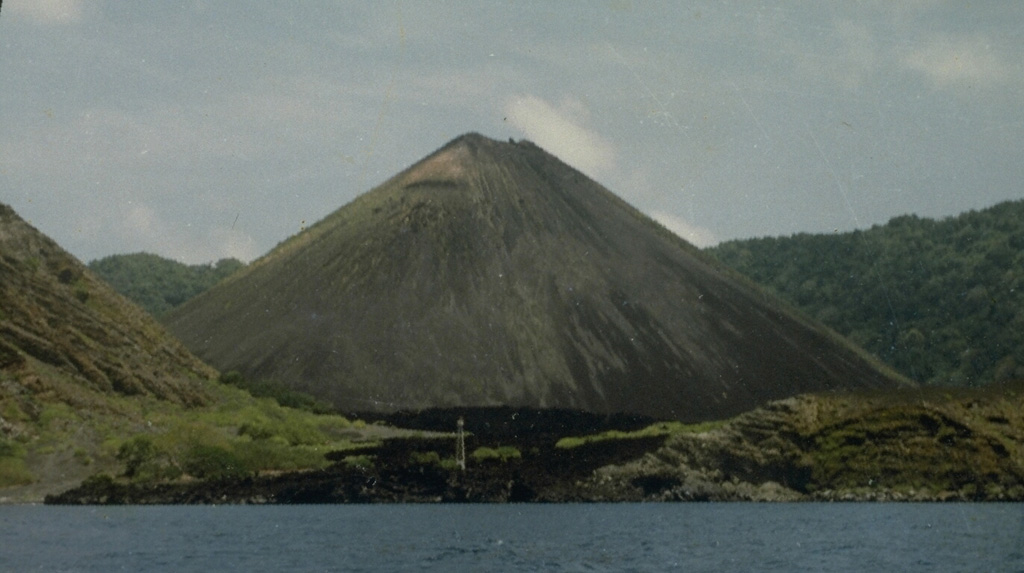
(940, 301)
(158, 284)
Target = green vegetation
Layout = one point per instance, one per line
(432, 458)
(13, 470)
(145, 439)
(501, 453)
(967, 442)
(360, 461)
(425, 458)
(237, 437)
(942, 302)
(923, 444)
(158, 284)
(284, 395)
(658, 429)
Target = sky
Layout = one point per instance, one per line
(204, 129)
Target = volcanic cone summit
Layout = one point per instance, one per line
(491, 273)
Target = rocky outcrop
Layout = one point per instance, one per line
(925, 445)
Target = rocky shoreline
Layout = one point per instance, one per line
(397, 471)
(916, 446)
(808, 448)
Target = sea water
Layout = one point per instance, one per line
(590, 537)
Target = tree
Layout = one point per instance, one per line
(936, 300)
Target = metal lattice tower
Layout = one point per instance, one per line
(460, 445)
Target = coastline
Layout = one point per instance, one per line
(826, 448)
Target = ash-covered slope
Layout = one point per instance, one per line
(59, 322)
(491, 273)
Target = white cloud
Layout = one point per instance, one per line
(560, 132)
(697, 236)
(231, 243)
(48, 11)
(142, 227)
(142, 220)
(951, 62)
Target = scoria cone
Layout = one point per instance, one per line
(491, 273)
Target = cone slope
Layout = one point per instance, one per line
(491, 273)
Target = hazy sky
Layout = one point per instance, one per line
(204, 129)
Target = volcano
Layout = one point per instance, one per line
(493, 274)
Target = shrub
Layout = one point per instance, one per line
(256, 430)
(145, 461)
(363, 461)
(136, 453)
(101, 480)
(279, 392)
(509, 452)
(484, 453)
(503, 453)
(11, 449)
(448, 464)
(273, 455)
(294, 431)
(425, 458)
(13, 471)
(211, 462)
(56, 413)
(82, 456)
